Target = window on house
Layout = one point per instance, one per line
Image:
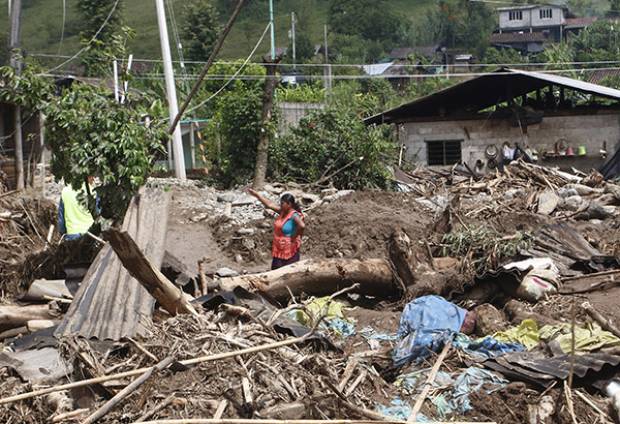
(515, 15)
(546, 13)
(443, 152)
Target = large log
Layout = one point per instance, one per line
(18, 316)
(170, 297)
(319, 278)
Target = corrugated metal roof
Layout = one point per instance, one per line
(518, 37)
(377, 69)
(485, 91)
(533, 366)
(111, 304)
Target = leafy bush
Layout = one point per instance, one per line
(304, 93)
(92, 135)
(334, 146)
(233, 132)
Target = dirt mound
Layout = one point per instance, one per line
(356, 226)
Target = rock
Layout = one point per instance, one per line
(238, 258)
(246, 231)
(244, 200)
(595, 211)
(199, 217)
(547, 202)
(226, 272)
(340, 194)
(445, 263)
(489, 320)
(572, 203)
(584, 190)
(328, 192)
(567, 192)
(226, 197)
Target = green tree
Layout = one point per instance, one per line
(200, 29)
(103, 34)
(235, 124)
(461, 23)
(598, 42)
(614, 9)
(336, 146)
(503, 56)
(304, 48)
(92, 135)
(374, 24)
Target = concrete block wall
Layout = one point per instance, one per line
(593, 131)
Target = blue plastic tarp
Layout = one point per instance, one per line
(426, 324)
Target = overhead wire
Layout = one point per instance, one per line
(234, 76)
(87, 46)
(361, 65)
(382, 76)
(64, 21)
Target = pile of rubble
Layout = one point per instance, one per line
(461, 298)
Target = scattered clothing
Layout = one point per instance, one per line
(335, 320)
(453, 388)
(525, 334)
(469, 381)
(487, 347)
(587, 339)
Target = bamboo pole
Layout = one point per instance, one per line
(186, 362)
(429, 382)
(127, 391)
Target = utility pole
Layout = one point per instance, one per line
(171, 91)
(272, 32)
(293, 22)
(328, 67)
(16, 15)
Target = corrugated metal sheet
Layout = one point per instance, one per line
(534, 367)
(485, 91)
(111, 304)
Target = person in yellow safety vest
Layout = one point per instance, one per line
(74, 220)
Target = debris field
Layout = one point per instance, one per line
(453, 298)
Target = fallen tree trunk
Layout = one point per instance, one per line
(320, 278)
(171, 298)
(18, 316)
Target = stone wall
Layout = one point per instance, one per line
(291, 113)
(593, 131)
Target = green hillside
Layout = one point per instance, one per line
(42, 24)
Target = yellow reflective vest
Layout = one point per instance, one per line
(78, 219)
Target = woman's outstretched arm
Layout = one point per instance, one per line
(266, 202)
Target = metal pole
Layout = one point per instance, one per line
(272, 31)
(293, 40)
(173, 106)
(328, 68)
(115, 70)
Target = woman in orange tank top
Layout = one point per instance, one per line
(289, 227)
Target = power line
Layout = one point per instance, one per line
(223, 87)
(252, 77)
(358, 65)
(87, 46)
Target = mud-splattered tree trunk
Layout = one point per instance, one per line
(262, 152)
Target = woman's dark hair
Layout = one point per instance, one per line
(290, 199)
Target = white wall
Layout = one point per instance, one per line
(531, 18)
(589, 130)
